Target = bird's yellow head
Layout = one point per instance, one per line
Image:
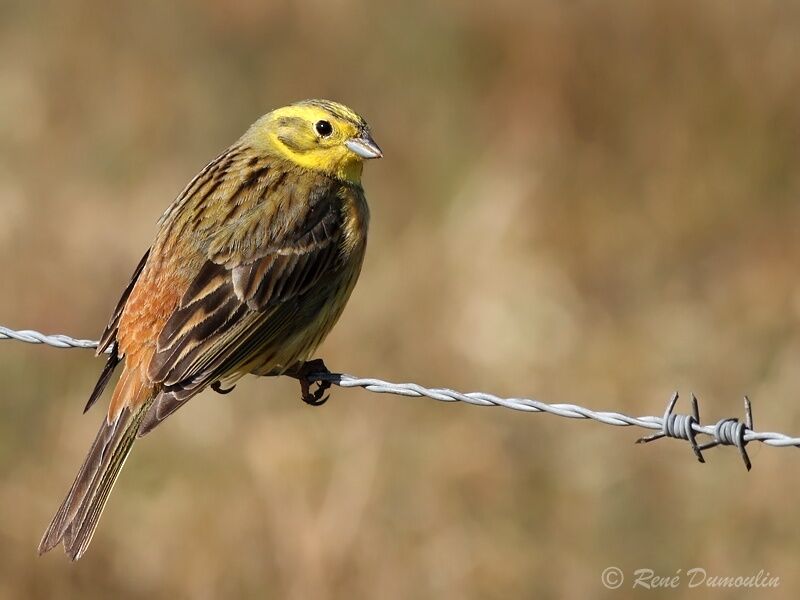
(320, 135)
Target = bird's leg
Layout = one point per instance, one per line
(303, 373)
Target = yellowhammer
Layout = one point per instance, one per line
(251, 267)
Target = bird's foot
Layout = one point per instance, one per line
(304, 374)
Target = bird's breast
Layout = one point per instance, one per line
(356, 220)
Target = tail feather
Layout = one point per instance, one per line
(75, 521)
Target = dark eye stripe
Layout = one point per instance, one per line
(290, 122)
(292, 144)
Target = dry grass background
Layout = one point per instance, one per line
(580, 201)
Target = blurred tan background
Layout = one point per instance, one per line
(580, 202)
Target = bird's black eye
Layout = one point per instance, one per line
(323, 128)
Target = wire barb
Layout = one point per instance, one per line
(731, 432)
(726, 432)
(679, 426)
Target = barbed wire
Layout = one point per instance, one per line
(725, 432)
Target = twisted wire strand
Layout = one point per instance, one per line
(727, 431)
(35, 337)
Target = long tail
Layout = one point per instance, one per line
(76, 519)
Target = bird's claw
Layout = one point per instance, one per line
(318, 396)
(304, 374)
(217, 387)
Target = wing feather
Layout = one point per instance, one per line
(109, 338)
(232, 311)
(110, 332)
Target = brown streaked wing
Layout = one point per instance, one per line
(231, 311)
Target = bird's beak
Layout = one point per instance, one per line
(364, 146)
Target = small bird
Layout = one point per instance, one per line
(251, 267)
